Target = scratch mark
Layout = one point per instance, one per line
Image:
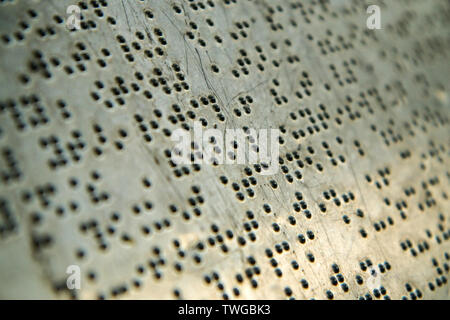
(126, 15)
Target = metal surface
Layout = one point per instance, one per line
(358, 209)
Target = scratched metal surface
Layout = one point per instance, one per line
(358, 210)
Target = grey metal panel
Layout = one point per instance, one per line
(86, 118)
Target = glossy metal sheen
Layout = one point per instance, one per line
(358, 209)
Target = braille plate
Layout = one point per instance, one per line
(359, 207)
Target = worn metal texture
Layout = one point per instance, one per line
(358, 209)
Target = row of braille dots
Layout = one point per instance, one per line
(158, 225)
(102, 139)
(200, 246)
(368, 266)
(143, 127)
(360, 214)
(80, 57)
(191, 36)
(186, 215)
(306, 86)
(174, 119)
(122, 89)
(44, 194)
(27, 103)
(310, 13)
(159, 79)
(300, 205)
(179, 172)
(441, 228)
(198, 6)
(284, 246)
(60, 286)
(190, 114)
(11, 171)
(430, 201)
(38, 64)
(89, 24)
(383, 173)
(377, 292)
(250, 272)
(400, 205)
(215, 277)
(118, 91)
(246, 106)
(351, 115)
(40, 241)
(8, 224)
(327, 46)
(423, 246)
(74, 148)
(290, 158)
(441, 279)
(62, 105)
(136, 209)
(96, 196)
(273, 14)
(355, 114)
(394, 138)
(215, 238)
(194, 27)
(184, 170)
(330, 153)
(244, 62)
(241, 241)
(251, 226)
(413, 294)
(350, 76)
(433, 117)
(363, 101)
(246, 183)
(137, 46)
(346, 197)
(279, 100)
(336, 279)
(156, 264)
(253, 181)
(195, 201)
(314, 128)
(24, 27)
(434, 153)
(295, 266)
(254, 148)
(307, 112)
(242, 30)
(247, 61)
(93, 226)
(205, 101)
(202, 101)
